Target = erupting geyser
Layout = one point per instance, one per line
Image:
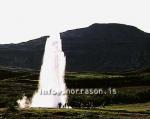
(51, 90)
(51, 85)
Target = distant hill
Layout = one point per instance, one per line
(26, 55)
(99, 47)
(106, 47)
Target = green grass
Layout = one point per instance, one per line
(89, 75)
(102, 113)
(139, 108)
(130, 87)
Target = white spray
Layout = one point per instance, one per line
(51, 90)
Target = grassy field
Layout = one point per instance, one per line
(137, 108)
(109, 112)
(131, 99)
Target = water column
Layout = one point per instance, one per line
(51, 83)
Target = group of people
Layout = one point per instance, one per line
(80, 105)
(62, 106)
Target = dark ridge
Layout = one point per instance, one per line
(25, 55)
(98, 47)
(106, 47)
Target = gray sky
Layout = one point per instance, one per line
(22, 20)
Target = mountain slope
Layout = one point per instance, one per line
(99, 47)
(26, 55)
(106, 47)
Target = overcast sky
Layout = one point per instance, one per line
(22, 20)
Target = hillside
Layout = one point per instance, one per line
(99, 47)
(26, 55)
(106, 47)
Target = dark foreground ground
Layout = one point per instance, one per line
(131, 100)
